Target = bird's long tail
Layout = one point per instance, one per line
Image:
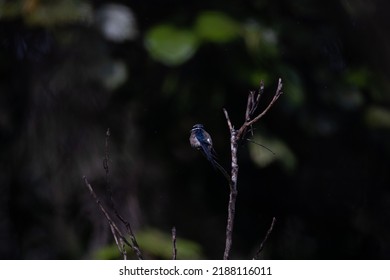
(211, 157)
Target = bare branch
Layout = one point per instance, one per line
(247, 123)
(114, 229)
(253, 102)
(129, 230)
(233, 189)
(249, 105)
(118, 236)
(230, 224)
(235, 137)
(124, 252)
(134, 243)
(228, 120)
(276, 96)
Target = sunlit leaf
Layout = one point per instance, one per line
(170, 45)
(216, 27)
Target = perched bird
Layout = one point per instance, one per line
(201, 140)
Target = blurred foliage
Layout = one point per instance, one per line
(155, 244)
(48, 13)
(159, 245)
(171, 45)
(377, 117)
(216, 27)
(108, 252)
(266, 150)
(149, 71)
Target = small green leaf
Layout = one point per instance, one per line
(170, 45)
(216, 27)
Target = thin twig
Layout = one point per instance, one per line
(131, 234)
(254, 142)
(265, 239)
(119, 243)
(258, 96)
(129, 230)
(117, 240)
(228, 119)
(114, 229)
(251, 107)
(124, 252)
(106, 162)
(249, 123)
(174, 249)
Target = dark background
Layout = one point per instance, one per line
(163, 66)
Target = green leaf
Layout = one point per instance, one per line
(170, 45)
(216, 27)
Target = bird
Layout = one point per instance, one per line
(200, 139)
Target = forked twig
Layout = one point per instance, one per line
(250, 122)
(119, 238)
